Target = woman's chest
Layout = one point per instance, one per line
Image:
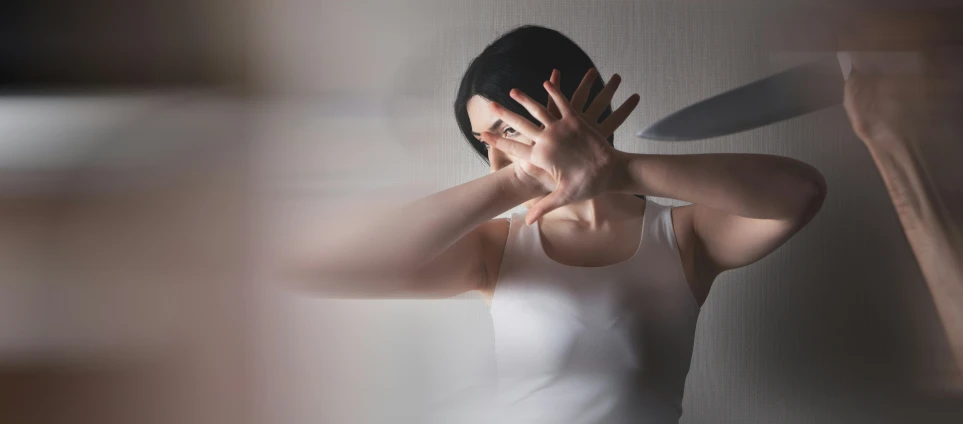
(582, 327)
(569, 245)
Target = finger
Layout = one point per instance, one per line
(537, 110)
(603, 99)
(517, 122)
(559, 98)
(552, 201)
(552, 108)
(497, 160)
(582, 92)
(511, 147)
(615, 120)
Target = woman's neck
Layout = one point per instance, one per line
(600, 210)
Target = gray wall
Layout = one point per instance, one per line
(836, 326)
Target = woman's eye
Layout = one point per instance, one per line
(509, 132)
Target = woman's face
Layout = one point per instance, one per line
(483, 120)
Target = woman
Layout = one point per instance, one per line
(594, 292)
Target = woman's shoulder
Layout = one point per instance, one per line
(495, 231)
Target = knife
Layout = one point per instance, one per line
(788, 94)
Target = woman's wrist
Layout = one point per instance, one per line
(521, 184)
(628, 173)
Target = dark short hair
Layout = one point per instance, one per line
(522, 58)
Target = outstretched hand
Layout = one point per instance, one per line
(570, 148)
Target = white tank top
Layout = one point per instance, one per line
(608, 344)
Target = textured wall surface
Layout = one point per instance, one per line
(835, 326)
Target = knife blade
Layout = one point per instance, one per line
(797, 91)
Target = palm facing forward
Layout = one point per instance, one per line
(570, 148)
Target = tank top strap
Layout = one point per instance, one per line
(658, 225)
(515, 224)
(521, 242)
(662, 259)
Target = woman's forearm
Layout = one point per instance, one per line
(749, 185)
(397, 243)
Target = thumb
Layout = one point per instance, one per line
(552, 201)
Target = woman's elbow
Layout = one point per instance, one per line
(813, 196)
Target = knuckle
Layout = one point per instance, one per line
(572, 123)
